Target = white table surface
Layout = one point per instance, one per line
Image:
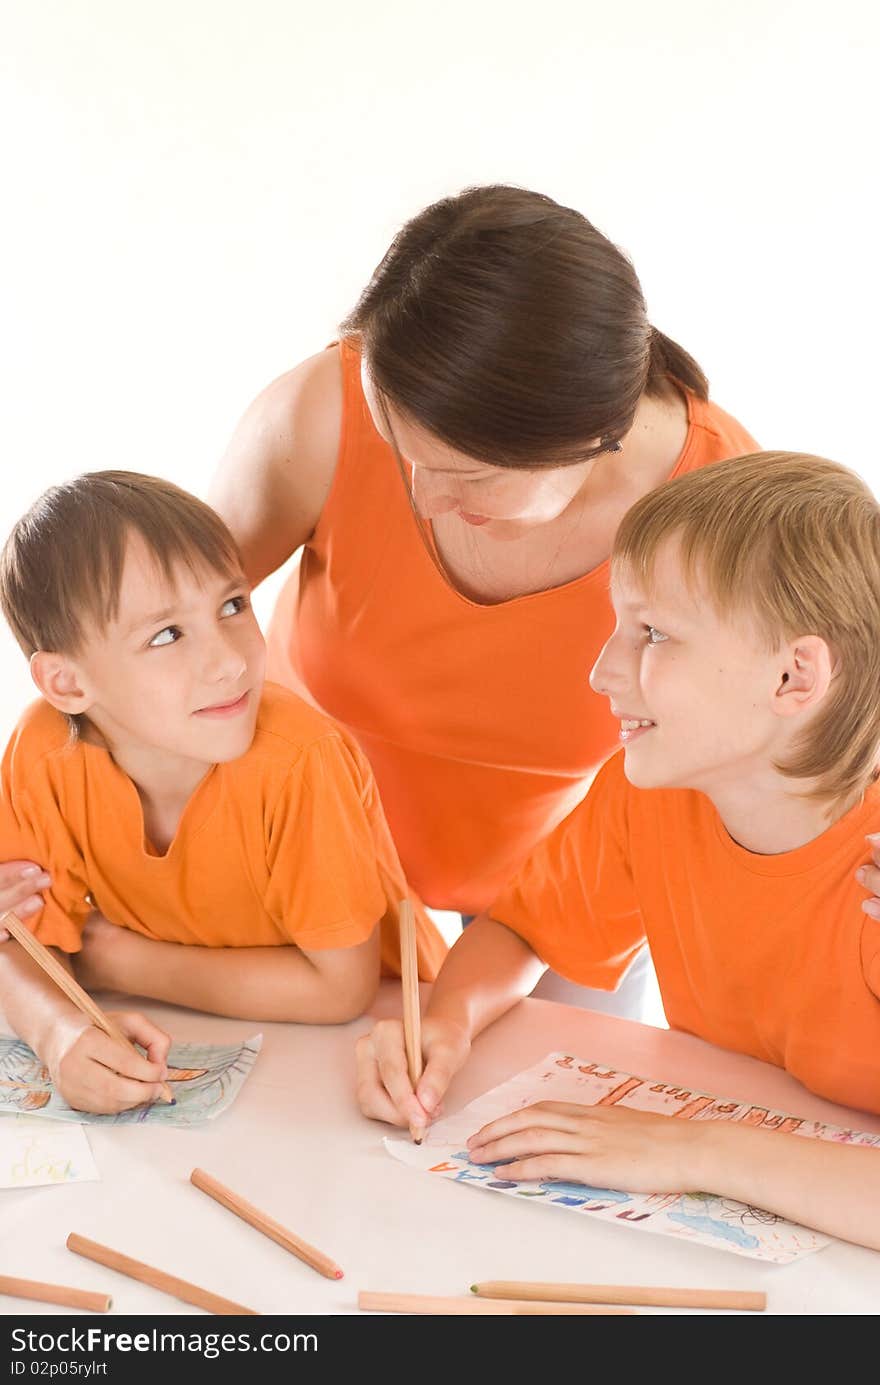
(295, 1144)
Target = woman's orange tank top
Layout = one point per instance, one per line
(478, 720)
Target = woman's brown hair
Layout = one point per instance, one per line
(509, 327)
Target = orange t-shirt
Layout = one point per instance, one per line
(766, 955)
(477, 720)
(286, 844)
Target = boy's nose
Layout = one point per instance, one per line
(604, 675)
(224, 662)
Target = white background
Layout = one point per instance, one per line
(194, 192)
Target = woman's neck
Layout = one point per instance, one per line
(649, 451)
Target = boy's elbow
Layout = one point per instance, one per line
(349, 1002)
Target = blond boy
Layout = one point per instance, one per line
(220, 840)
(745, 671)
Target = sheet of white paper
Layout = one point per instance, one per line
(701, 1217)
(34, 1152)
(204, 1080)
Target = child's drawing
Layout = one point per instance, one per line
(204, 1080)
(700, 1217)
(35, 1152)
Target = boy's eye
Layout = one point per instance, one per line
(233, 606)
(654, 636)
(170, 635)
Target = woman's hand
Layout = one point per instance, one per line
(384, 1090)
(603, 1146)
(96, 1073)
(19, 883)
(869, 877)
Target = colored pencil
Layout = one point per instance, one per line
(475, 1307)
(412, 1023)
(273, 1229)
(743, 1300)
(55, 1293)
(157, 1279)
(71, 988)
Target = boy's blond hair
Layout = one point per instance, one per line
(61, 567)
(792, 541)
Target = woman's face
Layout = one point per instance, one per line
(505, 500)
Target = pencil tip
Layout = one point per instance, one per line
(338, 1274)
(474, 1288)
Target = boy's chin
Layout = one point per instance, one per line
(234, 748)
(641, 774)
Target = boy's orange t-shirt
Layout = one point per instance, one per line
(771, 956)
(477, 720)
(286, 844)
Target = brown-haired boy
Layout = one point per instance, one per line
(745, 671)
(166, 789)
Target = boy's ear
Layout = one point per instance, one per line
(58, 680)
(807, 670)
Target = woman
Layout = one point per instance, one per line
(456, 467)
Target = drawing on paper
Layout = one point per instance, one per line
(204, 1078)
(700, 1217)
(35, 1152)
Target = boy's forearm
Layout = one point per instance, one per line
(258, 983)
(487, 971)
(834, 1188)
(33, 1005)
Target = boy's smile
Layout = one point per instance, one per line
(630, 726)
(225, 709)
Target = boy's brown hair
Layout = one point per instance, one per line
(792, 541)
(61, 567)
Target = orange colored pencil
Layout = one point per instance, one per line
(475, 1307)
(71, 988)
(260, 1222)
(55, 1293)
(412, 1021)
(744, 1300)
(157, 1279)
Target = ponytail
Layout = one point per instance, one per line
(668, 358)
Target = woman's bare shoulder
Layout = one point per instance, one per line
(301, 408)
(276, 473)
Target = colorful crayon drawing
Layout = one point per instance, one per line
(36, 1152)
(699, 1217)
(204, 1080)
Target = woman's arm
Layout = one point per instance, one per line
(257, 983)
(276, 474)
(834, 1188)
(487, 971)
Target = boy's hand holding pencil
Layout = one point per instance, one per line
(91, 1056)
(405, 1066)
(95, 1072)
(385, 1091)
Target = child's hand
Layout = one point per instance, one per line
(869, 877)
(603, 1146)
(383, 1087)
(96, 1073)
(19, 880)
